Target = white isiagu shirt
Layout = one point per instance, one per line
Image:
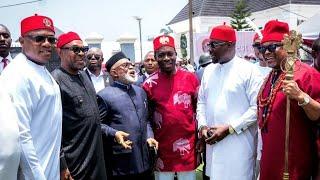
(228, 95)
(36, 99)
(9, 138)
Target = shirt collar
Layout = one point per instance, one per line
(9, 58)
(91, 74)
(121, 85)
(227, 64)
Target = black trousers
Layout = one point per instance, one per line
(205, 164)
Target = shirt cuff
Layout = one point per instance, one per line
(107, 130)
(63, 164)
(149, 131)
(238, 126)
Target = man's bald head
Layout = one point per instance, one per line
(6, 28)
(95, 50)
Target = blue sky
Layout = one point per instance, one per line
(111, 18)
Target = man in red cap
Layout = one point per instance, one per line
(261, 63)
(304, 93)
(36, 99)
(82, 151)
(226, 109)
(265, 70)
(172, 96)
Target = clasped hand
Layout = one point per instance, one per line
(215, 134)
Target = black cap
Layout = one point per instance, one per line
(115, 58)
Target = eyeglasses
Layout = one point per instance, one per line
(256, 45)
(95, 56)
(76, 49)
(271, 48)
(42, 39)
(213, 44)
(169, 54)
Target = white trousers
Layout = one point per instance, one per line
(185, 175)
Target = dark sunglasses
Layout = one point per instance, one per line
(93, 56)
(271, 48)
(164, 54)
(76, 49)
(42, 39)
(213, 44)
(256, 45)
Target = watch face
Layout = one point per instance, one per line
(306, 99)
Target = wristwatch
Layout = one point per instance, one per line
(306, 100)
(231, 130)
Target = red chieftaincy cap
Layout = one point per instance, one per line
(36, 22)
(66, 38)
(275, 30)
(223, 33)
(256, 36)
(163, 40)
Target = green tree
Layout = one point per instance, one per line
(183, 45)
(166, 30)
(238, 16)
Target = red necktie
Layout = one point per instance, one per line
(5, 62)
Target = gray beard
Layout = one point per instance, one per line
(127, 79)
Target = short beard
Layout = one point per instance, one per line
(127, 79)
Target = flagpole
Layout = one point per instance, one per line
(191, 33)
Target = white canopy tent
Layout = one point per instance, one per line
(310, 29)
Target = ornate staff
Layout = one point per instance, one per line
(291, 44)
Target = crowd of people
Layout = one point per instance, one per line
(79, 122)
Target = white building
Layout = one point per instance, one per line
(210, 13)
(123, 42)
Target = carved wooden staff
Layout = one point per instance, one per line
(291, 44)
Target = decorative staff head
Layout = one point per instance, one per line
(291, 44)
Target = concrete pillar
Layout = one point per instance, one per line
(94, 40)
(127, 46)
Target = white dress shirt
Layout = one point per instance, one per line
(9, 138)
(146, 74)
(37, 101)
(265, 72)
(9, 58)
(98, 81)
(228, 96)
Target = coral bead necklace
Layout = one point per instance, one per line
(265, 104)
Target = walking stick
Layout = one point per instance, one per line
(291, 44)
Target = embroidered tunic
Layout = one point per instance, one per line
(173, 100)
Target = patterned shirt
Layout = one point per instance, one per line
(173, 100)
